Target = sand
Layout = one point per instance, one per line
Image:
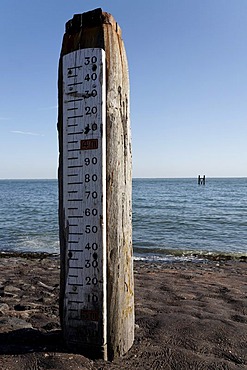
(188, 316)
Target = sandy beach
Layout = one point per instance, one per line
(188, 316)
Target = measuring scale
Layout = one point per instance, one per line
(84, 197)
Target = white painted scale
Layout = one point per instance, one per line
(84, 198)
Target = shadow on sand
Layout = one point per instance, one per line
(31, 340)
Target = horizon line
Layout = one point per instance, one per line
(133, 178)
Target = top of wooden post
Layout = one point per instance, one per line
(93, 18)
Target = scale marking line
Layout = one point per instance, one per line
(75, 183)
(78, 166)
(79, 251)
(69, 109)
(77, 302)
(76, 116)
(75, 200)
(76, 216)
(74, 100)
(73, 67)
(75, 83)
(76, 284)
(75, 133)
(72, 93)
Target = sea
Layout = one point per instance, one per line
(173, 219)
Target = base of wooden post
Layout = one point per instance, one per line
(92, 352)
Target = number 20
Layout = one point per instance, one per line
(92, 110)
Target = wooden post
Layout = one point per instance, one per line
(201, 180)
(95, 185)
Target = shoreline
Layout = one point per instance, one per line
(176, 258)
(188, 316)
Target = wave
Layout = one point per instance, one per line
(180, 255)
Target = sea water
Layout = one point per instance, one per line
(178, 217)
(29, 215)
(172, 218)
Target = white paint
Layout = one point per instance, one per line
(84, 192)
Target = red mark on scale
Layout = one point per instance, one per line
(89, 144)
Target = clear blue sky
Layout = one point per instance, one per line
(188, 74)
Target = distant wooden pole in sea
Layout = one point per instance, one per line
(95, 188)
(201, 180)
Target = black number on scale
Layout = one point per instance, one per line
(89, 60)
(89, 212)
(87, 128)
(88, 178)
(88, 264)
(94, 194)
(90, 110)
(93, 93)
(93, 161)
(92, 298)
(90, 280)
(94, 126)
(89, 77)
(94, 246)
(95, 264)
(90, 229)
(94, 59)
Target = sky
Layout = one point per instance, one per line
(188, 77)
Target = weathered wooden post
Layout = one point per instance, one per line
(95, 182)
